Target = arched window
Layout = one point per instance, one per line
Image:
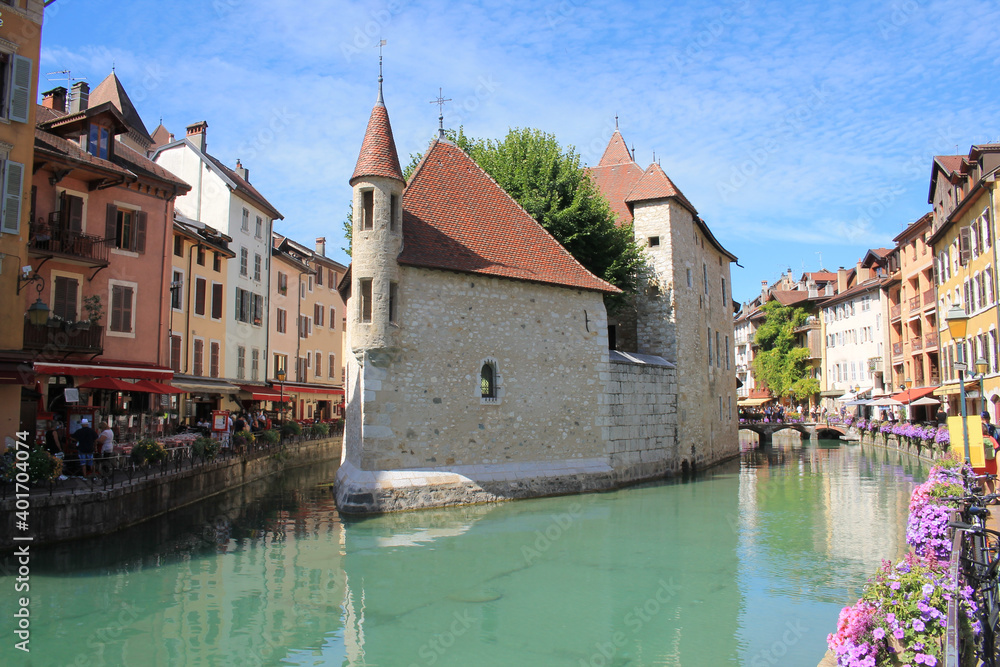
(487, 381)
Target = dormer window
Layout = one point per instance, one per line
(98, 141)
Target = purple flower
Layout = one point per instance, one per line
(928, 589)
(895, 585)
(878, 633)
(899, 633)
(918, 625)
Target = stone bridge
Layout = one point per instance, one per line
(814, 430)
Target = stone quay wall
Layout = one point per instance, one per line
(67, 516)
(641, 425)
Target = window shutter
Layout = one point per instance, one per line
(126, 309)
(964, 245)
(64, 298)
(140, 231)
(199, 296)
(111, 222)
(74, 213)
(217, 301)
(20, 89)
(13, 182)
(116, 308)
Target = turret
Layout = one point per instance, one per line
(377, 236)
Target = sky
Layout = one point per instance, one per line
(803, 132)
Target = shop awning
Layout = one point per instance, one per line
(120, 369)
(204, 385)
(910, 395)
(111, 384)
(258, 393)
(752, 402)
(157, 388)
(315, 389)
(954, 388)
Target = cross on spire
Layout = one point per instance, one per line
(440, 102)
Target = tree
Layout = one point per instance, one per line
(349, 229)
(549, 183)
(780, 365)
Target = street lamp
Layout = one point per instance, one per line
(958, 320)
(38, 312)
(981, 365)
(281, 379)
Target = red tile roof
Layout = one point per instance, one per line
(950, 162)
(455, 217)
(378, 150)
(616, 152)
(615, 176)
(822, 276)
(111, 90)
(789, 297)
(655, 184)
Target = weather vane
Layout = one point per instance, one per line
(440, 102)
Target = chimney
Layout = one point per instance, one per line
(80, 97)
(841, 280)
(321, 246)
(196, 133)
(863, 273)
(763, 290)
(242, 172)
(55, 99)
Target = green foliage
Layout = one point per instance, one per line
(269, 437)
(319, 430)
(780, 365)
(40, 466)
(205, 447)
(349, 229)
(291, 428)
(551, 185)
(148, 450)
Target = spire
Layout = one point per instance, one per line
(616, 152)
(440, 102)
(378, 155)
(379, 99)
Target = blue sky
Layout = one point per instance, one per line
(795, 128)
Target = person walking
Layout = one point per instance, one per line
(106, 440)
(53, 442)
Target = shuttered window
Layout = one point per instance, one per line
(214, 359)
(121, 308)
(20, 89)
(64, 297)
(216, 301)
(199, 357)
(126, 227)
(13, 182)
(175, 353)
(281, 317)
(318, 312)
(199, 296)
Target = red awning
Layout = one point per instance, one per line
(258, 393)
(157, 388)
(313, 389)
(112, 384)
(115, 369)
(910, 395)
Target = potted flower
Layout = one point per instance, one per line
(95, 311)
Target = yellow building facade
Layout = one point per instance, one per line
(965, 264)
(20, 42)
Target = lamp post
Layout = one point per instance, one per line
(981, 365)
(38, 312)
(281, 380)
(907, 383)
(958, 320)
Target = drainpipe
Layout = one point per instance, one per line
(187, 315)
(991, 179)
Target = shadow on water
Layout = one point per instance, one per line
(246, 513)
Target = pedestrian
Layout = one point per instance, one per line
(86, 438)
(942, 414)
(53, 442)
(106, 439)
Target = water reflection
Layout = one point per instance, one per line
(712, 571)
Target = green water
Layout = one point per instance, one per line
(747, 564)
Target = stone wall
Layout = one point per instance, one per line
(64, 516)
(642, 422)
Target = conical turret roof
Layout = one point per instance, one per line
(112, 90)
(378, 150)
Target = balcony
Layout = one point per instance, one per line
(895, 311)
(53, 239)
(930, 340)
(64, 337)
(897, 349)
(916, 344)
(914, 303)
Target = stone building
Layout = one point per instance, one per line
(478, 365)
(684, 313)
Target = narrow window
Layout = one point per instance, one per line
(653, 241)
(199, 295)
(199, 356)
(259, 232)
(121, 308)
(217, 301)
(393, 301)
(175, 292)
(179, 246)
(213, 362)
(709, 346)
(690, 278)
(201, 255)
(254, 363)
(256, 267)
(367, 209)
(393, 211)
(175, 353)
(217, 262)
(487, 381)
(241, 362)
(244, 261)
(330, 365)
(704, 270)
(366, 299)
(245, 225)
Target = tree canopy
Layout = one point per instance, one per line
(549, 183)
(779, 364)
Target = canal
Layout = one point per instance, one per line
(746, 564)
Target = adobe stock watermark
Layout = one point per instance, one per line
(368, 36)
(709, 33)
(791, 125)
(544, 539)
(605, 652)
(902, 14)
(773, 654)
(435, 647)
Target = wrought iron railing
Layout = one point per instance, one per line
(60, 336)
(53, 236)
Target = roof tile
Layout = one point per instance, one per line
(655, 184)
(378, 150)
(455, 217)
